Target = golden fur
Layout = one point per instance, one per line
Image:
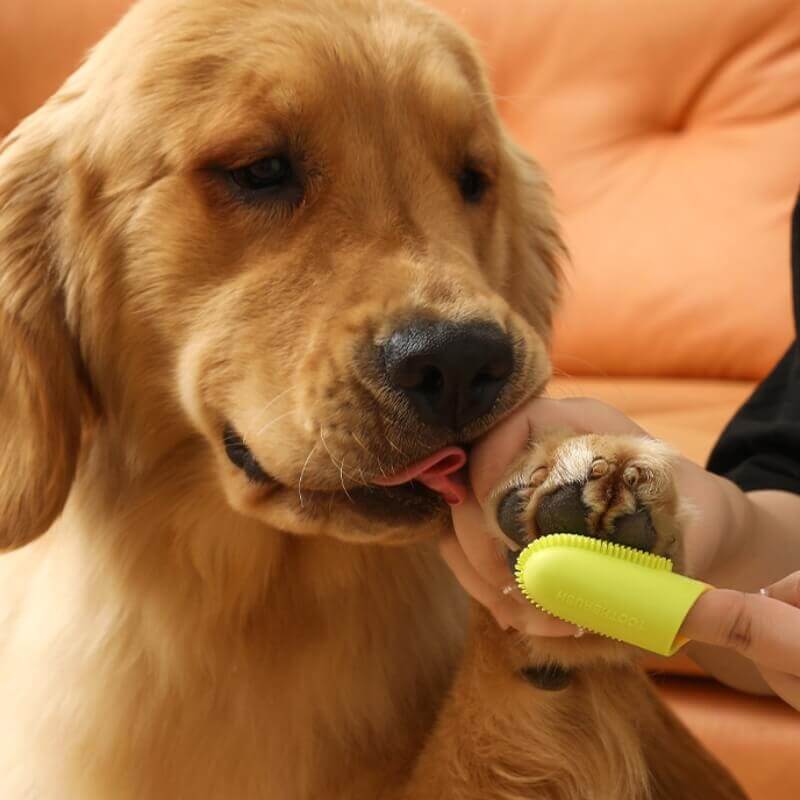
(169, 637)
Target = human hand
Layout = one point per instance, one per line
(764, 628)
(473, 554)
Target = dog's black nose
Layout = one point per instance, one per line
(451, 373)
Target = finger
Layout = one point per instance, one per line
(787, 687)
(490, 458)
(506, 609)
(786, 590)
(581, 415)
(472, 582)
(765, 630)
(533, 621)
(492, 455)
(482, 550)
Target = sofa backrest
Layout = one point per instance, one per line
(670, 131)
(671, 134)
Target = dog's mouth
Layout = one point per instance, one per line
(438, 475)
(440, 472)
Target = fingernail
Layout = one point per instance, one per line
(764, 592)
(507, 590)
(452, 500)
(580, 632)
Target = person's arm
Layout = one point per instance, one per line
(764, 628)
(743, 540)
(737, 540)
(759, 451)
(745, 535)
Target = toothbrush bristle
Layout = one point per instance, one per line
(598, 545)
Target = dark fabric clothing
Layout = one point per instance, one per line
(760, 448)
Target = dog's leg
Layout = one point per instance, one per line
(565, 736)
(566, 719)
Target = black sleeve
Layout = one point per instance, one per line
(760, 448)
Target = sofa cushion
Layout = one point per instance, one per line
(41, 43)
(757, 738)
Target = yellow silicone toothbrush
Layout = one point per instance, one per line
(609, 589)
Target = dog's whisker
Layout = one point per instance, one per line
(371, 455)
(362, 481)
(273, 421)
(341, 479)
(359, 442)
(380, 467)
(349, 475)
(340, 467)
(394, 446)
(382, 427)
(337, 463)
(272, 402)
(303, 471)
(333, 461)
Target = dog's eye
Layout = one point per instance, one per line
(473, 184)
(267, 175)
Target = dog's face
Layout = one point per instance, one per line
(288, 240)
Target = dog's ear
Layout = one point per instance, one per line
(537, 249)
(41, 394)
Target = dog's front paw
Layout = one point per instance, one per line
(619, 488)
(615, 488)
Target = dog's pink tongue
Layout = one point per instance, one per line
(437, 472)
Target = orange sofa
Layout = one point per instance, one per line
(671, 133)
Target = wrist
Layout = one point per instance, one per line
(719, 516)
(740, 540)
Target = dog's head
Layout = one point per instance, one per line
(288, 241)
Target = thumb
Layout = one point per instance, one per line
(786, 590)
(762, 628)
(785, 686)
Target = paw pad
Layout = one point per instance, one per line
(510, 516)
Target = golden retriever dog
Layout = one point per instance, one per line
(256, 258)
